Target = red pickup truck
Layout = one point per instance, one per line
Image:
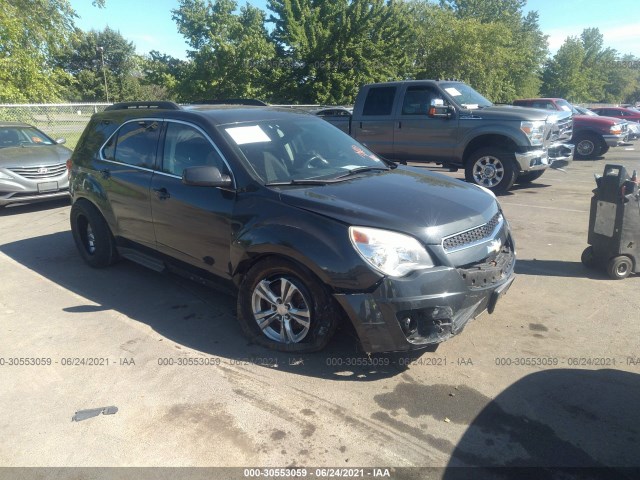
(592, 136)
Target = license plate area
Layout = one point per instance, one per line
(497, 294)
(47, 187)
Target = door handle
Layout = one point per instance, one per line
(162, 193)
(399, 125)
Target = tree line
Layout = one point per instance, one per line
(307, 51)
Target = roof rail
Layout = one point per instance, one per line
(233, 101)
(144, 105)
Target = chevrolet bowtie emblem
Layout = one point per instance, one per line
(494, 246)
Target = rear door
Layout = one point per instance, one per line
(125, 167)
(192, 224)
(373, 124)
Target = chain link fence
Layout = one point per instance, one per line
(65, 120)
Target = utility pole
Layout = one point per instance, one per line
(104, 71)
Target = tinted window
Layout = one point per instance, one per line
(379, 101)
(184, 147)
(134, 144)
(417, 100)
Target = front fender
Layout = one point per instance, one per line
(318, 243)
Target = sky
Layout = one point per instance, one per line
(148, 23)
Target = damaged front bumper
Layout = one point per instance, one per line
(427, 306)
(557, 155)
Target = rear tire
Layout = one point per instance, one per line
(492, 168)
(92, 235)
(588, 257)
(619, 267)
(588, 145)
(529, 177)
(284, 307)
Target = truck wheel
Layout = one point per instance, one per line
(604, 150)
(284, 307)
(92, 235)
(588, 145)
(491, 168)
(529, 177)
(619, 267)
(588, 257)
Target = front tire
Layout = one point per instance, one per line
(284, 307)
(492, 168)
(588, 146)
(92, 235)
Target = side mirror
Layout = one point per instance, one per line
(61, 141)
(206, 176)
(440, 111)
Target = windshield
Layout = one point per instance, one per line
(16, 136)
(465, 96)
(298, 149)
(567, 107)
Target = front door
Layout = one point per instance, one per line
(192, 224)
(418, 137)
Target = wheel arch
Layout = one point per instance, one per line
(488, 141)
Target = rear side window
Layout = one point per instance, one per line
(135, 144)
(379, 101)
(184, 147)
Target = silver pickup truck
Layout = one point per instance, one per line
(449, 123)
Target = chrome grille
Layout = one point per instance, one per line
(475, 235)
(36, 173)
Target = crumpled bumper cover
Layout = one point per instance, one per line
(428, 306)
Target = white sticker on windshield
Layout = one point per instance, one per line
(565, 108)
(452, 91)
(253, 134)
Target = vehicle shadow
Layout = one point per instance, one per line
(17, 209)
(558, 423)
(559, 268)
(189, 314)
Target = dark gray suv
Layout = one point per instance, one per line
(306, 224)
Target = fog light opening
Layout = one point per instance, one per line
(409, 326)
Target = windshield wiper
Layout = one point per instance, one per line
(308, 181)
(363, 169)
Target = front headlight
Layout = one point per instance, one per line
(534, 131)
(615, 129)
(391, 253)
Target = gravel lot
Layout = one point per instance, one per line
(573, 404)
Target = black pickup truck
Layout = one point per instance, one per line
(449, 123)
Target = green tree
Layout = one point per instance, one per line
(83, 57)
(584, 70)
(231, 52)
(564, 74)
(496, 50)
(30, 31)
(330, 48)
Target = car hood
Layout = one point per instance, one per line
(426, 205)
(33, 156)
(591, 120)
(510, 112)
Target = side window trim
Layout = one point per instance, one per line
(115, 133)
(205, 135)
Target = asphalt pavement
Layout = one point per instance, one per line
(550, 379)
